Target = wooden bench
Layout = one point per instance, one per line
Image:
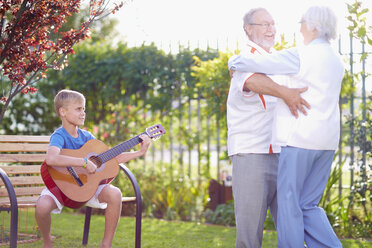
(21, 184)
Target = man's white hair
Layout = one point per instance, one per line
(323, 19)
(248, 17)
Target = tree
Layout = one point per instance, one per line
(31, 40)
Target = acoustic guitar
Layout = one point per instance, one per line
(74, 186)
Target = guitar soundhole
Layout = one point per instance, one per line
(96, 160)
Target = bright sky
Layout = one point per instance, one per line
(198, 22)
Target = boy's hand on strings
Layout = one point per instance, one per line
(145, 143)
(91, 167)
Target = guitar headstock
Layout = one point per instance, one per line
(155, 131)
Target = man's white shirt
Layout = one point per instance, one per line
(249, 115)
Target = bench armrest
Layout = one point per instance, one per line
(12, 196)
(133, 180)
(13, 208)
(138, 203)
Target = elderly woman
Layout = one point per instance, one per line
(308, 142)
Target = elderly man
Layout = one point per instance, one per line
(249, 121)
(308, 142)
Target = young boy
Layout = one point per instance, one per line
(70, 107)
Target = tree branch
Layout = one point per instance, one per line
(2, 21)
(22, 9)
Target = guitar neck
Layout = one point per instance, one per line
(116, 150)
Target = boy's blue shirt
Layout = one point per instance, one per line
(63, 140)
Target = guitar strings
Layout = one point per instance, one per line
(113, 152)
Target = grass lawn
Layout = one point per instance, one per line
(68, 230)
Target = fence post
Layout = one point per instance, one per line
(218, 145)
(162, 143)
(208, 145)
(351, 122)
(171, 143)
(152, 147)
(189, 139)
(180, 134)
(199, 134)
(363, 166)
(340, 142)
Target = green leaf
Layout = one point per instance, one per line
(369, 41)
(363, 11)
(363, 57)
(362, 32)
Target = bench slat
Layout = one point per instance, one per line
(28, 201)
(25, 138)
(21, 169)
(24, 147)
(8, 158)
(128, 199)
(25, 180)
(23, 191)
(31, 201)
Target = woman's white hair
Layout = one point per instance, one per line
(323, 19)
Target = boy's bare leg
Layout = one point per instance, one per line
(112, 196)
(44, 206)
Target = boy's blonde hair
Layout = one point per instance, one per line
(65, 97)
